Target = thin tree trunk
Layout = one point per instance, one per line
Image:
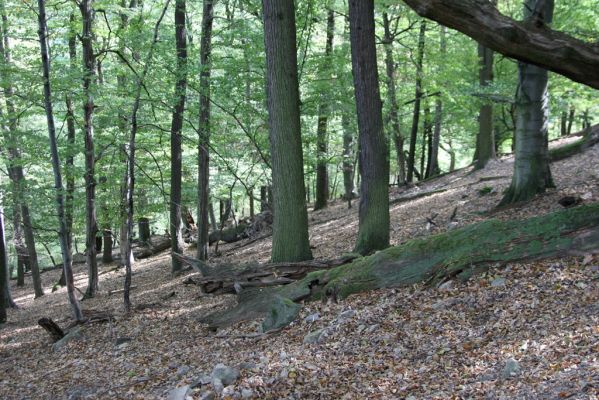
(485, 140)
(418, 97)
(176, 129)
(4, 278)
(396, 134)
(204, 132)
(436, 138)
(373, 230)
(130, 188)
(89, 74)
(290, 226)
(532, 174)
(426, 134)
(322, 177)
(571, 119)
(18, 243)
(348, 159)
(63, 234)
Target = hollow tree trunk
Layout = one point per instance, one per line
(290, 227)
(63, 234)
(204, 130)
(418, 97)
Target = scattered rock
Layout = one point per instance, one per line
(229, 392)
(447, 285)
(498, 282)
(346, 315)
(226, 375)
(122, 340)
(282, 312)
(178, 393)
(217, 384)
(183, 370)
(315, 337)
(312, 318)
(246, 394)
(511, 369)
(372, 328)
(207, 395)
(74, 334)
(203, 380)
(248, 365)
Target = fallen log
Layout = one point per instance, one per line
(451, 255)
(588, 139)
(225, 279)
(156, 244)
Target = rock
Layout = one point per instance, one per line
(346, 315)
(217, 384)
(74, 334)
(178, 393)
(447, 285)
(183, 370)
(282, 312)
(315, 337)
(498, 282)
(122, 340)
(207, 395)
(203, 380)
(246, 394)
(284, 373)
(511, 369)
(372, 328)
(312, 318)
(248, 365)
(229, 392)
(226, 375)
(361, 328)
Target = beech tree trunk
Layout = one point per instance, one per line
(4, 278)
(532, 43)
(63, 234)
(89, 75)
(204, 131)
(322, 177)
(176, 129)
(532, 173)
(373, 230)
(348, 159)
(485, 140)
(434, 168)
(418, 97)
(290, 226)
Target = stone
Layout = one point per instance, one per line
(315, 337)
(74, 334)
(226, 375)
(122, 340)
(447, 285)
(248, 365)
(182, 370)
(178, 393)
(511, 369)
(203, 380)
(312, 318)
(346, 315)
(282, 312)
(229, 392)
(208, 395)
(372, 328)
(498, 282)
(246, 393)
(217, 384)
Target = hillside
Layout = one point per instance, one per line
(523, 331)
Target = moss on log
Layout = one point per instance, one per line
(456, 254)
(588, 139)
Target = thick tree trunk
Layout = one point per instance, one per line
(533, 43)
(290, 227)
(204, 131)
(457, 254)
(176, 129)
(63, 234)
(107, 252)
(396, 134)
(89, 75)
(373, 230)
(418, 97)
(322, 177)
(485, 140)
(532, 174)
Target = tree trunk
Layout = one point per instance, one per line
(107, 253)
(434, 169)
(322, 177)
(457, 254)
(176, 130)
(20, 249)
(485, 140)
(4, 278)
(373, 230)
(532, 43)
(204, 131)
(396, 134)
(251, 200)
(427, 129)
(571, 119)
(89, 74)
(290, 227)
(418, 97)
(532, 174)
(63, 234)
(348, 159)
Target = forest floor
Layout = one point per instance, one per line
(540, 319)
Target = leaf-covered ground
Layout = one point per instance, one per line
(406, 343)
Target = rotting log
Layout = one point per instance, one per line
(457, 254)
(225, 279)
(55, 332)
(588, 139)
(155, 244)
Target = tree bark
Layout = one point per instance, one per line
(434, 168)
(322, 177)
(63, 234)
(89, 75)
(6, 300)
(485, 140)
(348, 159)
(418, 97)
(373, 230)
(290, 227)
(532, 173)
(204, 130)
(531, 42)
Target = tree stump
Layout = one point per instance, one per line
(52, 328)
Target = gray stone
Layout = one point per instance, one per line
(248, 365)
(315, 337)
(74, 334)
(217, 384)
(178, 393)
(282, 312)
(511, 369)
(312, 318)
(208, 395)
(203, 380)
(229, 392)
(226, 375)
(122, 340)
(446, 285)
(246, 394)
(498, 282)
(372, 328)
(183, 369)
(346, 315)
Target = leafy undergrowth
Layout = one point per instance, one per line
(408, 343)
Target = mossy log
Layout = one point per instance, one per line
(155, 244)
(456, 254)
(229, 235)
(587, 140)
